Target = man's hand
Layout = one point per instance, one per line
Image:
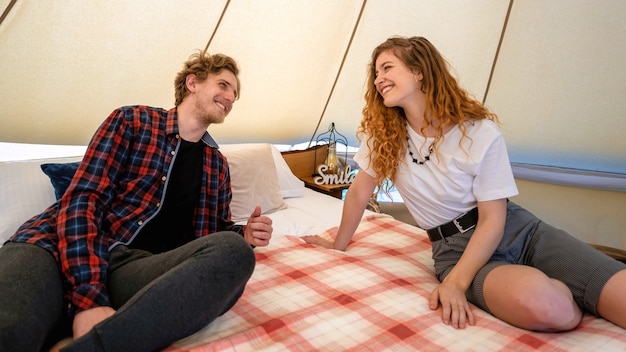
(259, 229)
(87, 319)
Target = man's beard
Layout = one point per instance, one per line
(213, 118)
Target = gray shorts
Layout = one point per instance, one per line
(529, 241)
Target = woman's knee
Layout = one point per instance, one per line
(529, 299)
(553, 307)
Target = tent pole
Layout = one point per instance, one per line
(217, 25)
(495, 58)
(343, 60)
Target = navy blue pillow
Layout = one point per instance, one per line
(60, 175)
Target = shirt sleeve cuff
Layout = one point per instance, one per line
(88, 296)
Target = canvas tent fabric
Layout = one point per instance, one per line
(557, 82)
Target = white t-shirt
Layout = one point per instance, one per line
(451, 183)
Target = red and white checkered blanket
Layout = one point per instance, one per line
(373, 297)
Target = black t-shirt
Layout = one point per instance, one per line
(173, 225)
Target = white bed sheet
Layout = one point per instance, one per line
(311, 214)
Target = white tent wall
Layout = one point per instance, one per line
(65, 65)
(558, 87)
(81, 59)
(466, 33)
(290, 53)
(557, 83)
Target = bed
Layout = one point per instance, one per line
(373, 297)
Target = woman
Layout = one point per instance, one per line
(445, 154)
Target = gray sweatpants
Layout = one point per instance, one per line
(159, 298)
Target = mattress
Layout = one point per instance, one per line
(372, 297)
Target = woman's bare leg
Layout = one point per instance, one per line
(525, 297)
(612, 302)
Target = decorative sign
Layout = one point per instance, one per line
(345, 176)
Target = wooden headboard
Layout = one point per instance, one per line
(303, 163)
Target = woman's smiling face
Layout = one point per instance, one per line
(395, 82)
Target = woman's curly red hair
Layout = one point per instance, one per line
(446, 102)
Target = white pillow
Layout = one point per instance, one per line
(25, 192)
(254, 181)
(289, 185)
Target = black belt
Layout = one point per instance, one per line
(461, 224)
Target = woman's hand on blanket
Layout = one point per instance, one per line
(318, 241)
(455, 310)
(87, 319)
(259, 229)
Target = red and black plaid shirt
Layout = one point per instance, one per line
(120, 184)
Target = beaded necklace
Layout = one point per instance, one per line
(418, 162)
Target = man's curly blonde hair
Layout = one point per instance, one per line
(446, 102)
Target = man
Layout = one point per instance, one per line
(140, 251)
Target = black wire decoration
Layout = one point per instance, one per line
(329, 137)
